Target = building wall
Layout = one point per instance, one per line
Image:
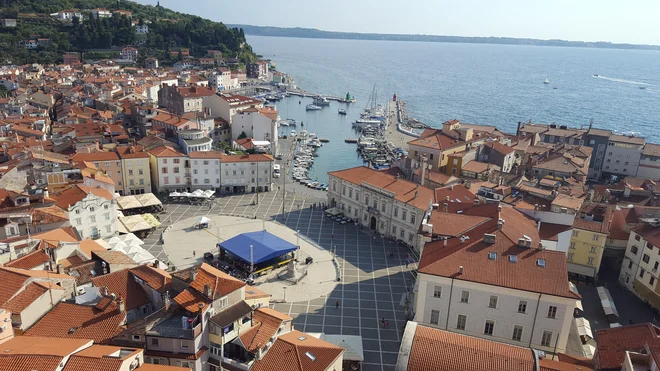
(7, 331)
(94, 213)
(175, 176)
(622, 158)
(244, 174)
(205, 173)
(37, 309)
(585, 252)
(433, 156)
(534, 321)
(649, 167)
(114, 172)
(393, 218)
(257, 126)
(599, 145)
(137, 178)
(631, 261)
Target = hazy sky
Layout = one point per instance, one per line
(633, 21)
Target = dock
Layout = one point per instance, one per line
(306, 94)
(392, 134)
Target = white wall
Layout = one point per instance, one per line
(506, 314)
(94, 212)
(205, 173)
(245, 174)
(549, 216)
(168, 162)
(628, 158)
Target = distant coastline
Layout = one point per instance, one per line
(312, 33)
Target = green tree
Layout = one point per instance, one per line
(242, 136)
(4, 93)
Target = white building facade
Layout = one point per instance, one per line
(205, 170)
(246, 173)
(94, 216)
(168, 169)
(378, 208)
(256, 125)
(517, 317)
(622, 155)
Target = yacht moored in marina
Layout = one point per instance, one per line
(321, 101)
(312, 107)
(341, 111)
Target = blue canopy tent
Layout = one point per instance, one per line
(265, 246)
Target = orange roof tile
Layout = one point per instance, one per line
(151, 367)
(68, 320)
(95, 156)
(73, 195)
(165, 151)
(292, 351)
(155, 278)
(251, 292)
(87, 246)
(191, 300)
(614, 342)
(265, 324)
(122, 284)
(29, 261)
(438, 350)
(26, 297)
(221, 283)
(76, 363)
(546, 364)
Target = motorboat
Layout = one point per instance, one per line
(321, 101)
(341, 111)
(643, 87)
(312, 107)
(546, 81)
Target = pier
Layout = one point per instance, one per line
(306, 94)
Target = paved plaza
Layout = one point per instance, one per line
(373, 286)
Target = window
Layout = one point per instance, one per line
(375, 204)
(91, 209)
(575, 233)
(517, 333)
(522, 306)
(552, 311)
(651, 280)
(595, 237)
(410, 237)
(106, 216)
(402, 233)
(632, 249)
(77, 211)
(184, 345)
(435, 317)
(357, 195)
(461, 321)
(437, 292)
(163, 170)
(637, 238)
(630, 264)
(649, 246)
(641, 273)
(130, 171)
(177, 161)
(590, 261)
(140, 171)
(546, 339)
(490, 326)
(465, 296)
(92, 219)
(396, 212)
(176, 170)
(655, 266)
(350, 193)
(343, 188)
(570, 256)
(412, 218)
(109, 229)
(404, 214)
(394, 230)
(383, 206)
(366, 200)
(492, 302)
(646, 258)
(572, 245)
(592, 250)
(154, 342)
(79, 221)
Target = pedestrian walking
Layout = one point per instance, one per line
(387, 323)
(382, 322)
(406, 264)
(337, 304)
(194, 253)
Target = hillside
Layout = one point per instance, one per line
(168, 30)
(320, 34)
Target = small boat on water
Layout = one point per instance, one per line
(643, 87)
(341, 111)
(321, 101)
(546, 81)
(312, 107)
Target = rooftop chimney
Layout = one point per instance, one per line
(121, 305)
(445, 207)
(476, 201)
(193, 275)
(444, 242)
(460, 270)
(500, 223)
(207, 290)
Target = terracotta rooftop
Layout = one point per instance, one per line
(155, 278)
(13, 281)
(37, 353)
(614, 342)
(404, 190)
(75, 321)
(165, 151)
(438, 350)
(95, 156)
(114, 257)
(297, 351)
(265, 324)
(122, 284)
(23, 299)
(473, 254)
(221, 283)
(76, 193)
(32, 260)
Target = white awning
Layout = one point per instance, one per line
(606, 301)
(584, 327)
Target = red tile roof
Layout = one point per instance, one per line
(73, 195)
(68, 320)
(221, 283)
(614, 342)
(32, 292)
(473, 255)
(439, 350)
(122, 284)
(77, 363)
(29, 261)
(95, 156)
(165, 151)
(290, 353)
(404, 190)
(650, 233)
(265, 324)
(155, 278)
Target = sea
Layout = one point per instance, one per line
(487, 84)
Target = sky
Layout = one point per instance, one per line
(633, 21)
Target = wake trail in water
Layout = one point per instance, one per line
(623, 81)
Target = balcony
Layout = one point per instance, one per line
(373, 210)
(173, 328)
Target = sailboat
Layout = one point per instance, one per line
(546, 81)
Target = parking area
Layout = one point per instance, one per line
(374, 276)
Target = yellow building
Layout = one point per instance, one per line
(135, 169)
(436, 145)
(585, 251)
